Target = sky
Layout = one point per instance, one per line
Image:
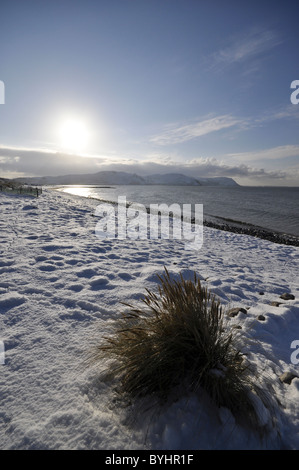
(198, 87)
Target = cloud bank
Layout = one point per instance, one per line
(16, 162)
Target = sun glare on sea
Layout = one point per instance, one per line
(73, 134)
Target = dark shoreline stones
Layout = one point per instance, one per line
(282, 239)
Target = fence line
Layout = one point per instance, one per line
(26, 190)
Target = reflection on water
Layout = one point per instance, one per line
(78, 191)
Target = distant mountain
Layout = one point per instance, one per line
(177, 179)
(172, 179)
(121, 177)
(102, 177)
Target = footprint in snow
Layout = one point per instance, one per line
(47, 267)
(54, 247)
(99, 283)
(40, 258)
(10, 300)
(75, 287)
(29, 207)
(126, 276)
(88, 273)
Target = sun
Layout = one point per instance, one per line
(73, 134)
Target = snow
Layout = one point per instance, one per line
(61, 288)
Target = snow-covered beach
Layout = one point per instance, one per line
(61, 288)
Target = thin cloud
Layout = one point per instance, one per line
(287, 112)
(179, 134)
(244, 48)
(274, 153)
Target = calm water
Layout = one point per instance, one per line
(274, 208)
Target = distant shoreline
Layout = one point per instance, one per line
(228, 226)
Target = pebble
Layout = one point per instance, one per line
(287, 296)
(234, 311)
(261, 318)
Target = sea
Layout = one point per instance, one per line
(270, 208)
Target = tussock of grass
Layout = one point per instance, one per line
(178, 338)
